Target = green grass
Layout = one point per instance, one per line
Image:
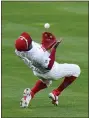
(68, 20)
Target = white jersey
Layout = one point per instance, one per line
(38, 59)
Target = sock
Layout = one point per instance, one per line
(67, 81)
(38, 86)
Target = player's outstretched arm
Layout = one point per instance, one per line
(57, 43)
(52, 54)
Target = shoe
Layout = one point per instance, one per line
(26, 98)
(53, 98)
(26, 91)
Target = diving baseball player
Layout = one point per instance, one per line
(41, 59)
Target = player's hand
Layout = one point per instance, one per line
(57, 43)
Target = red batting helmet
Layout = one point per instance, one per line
(48, 40)
(23, 42)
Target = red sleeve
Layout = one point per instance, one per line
(52, 58)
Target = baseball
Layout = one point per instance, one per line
(46, 25)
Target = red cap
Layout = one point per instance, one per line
(48, 40)
(23, 42)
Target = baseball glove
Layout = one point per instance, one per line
(48, 40)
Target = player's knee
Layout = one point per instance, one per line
(77, 71)
(47, 82)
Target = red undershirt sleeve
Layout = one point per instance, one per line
(52, 58)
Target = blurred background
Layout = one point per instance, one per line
(68, 20)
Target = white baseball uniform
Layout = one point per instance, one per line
(38, 59)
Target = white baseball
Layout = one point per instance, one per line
(46, 25)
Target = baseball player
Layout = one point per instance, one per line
(41, 59)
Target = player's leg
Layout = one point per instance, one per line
(74, 71)
(29, 94)
(66, 82)
(40, 84)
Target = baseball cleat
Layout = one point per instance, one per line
(26, 98)
(26, 92)
(53, 98)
